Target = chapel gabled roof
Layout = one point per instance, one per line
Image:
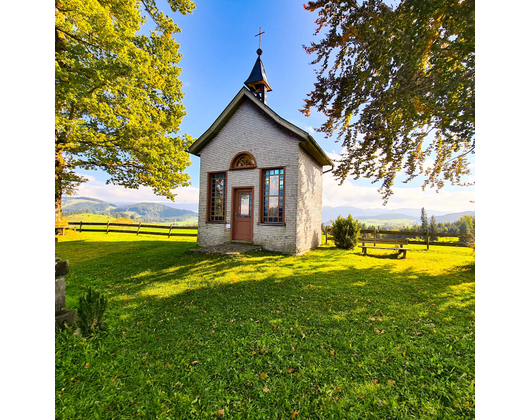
(308, 143)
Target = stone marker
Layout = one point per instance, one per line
(62, 316)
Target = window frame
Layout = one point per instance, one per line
(210, 197)
(262, 197)
(238, 156)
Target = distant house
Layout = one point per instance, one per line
(260, 176)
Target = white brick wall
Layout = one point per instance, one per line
(249, 130)
(309, 211)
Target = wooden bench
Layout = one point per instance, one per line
(398, 245)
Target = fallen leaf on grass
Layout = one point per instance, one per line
(263, 376)
(194, 362)
(266, 389)
(291, 370)
(294, 414)
(221, 412)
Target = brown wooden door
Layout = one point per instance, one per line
(242, 215)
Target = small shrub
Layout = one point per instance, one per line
(345, 232)
(92, 306)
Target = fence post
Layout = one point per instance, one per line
(169, 234)
(108, 225)
(139, 225)
(427, 236)
(80, 226)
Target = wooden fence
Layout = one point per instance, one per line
(138, 229)
(374, 233)
(146, 229)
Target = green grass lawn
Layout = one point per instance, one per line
(328, 335)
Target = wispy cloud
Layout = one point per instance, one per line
(116, 193)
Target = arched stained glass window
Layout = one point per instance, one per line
(243, 160)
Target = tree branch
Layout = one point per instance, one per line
(75, 37)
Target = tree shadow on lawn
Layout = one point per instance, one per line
(132, 268)
(337, 322)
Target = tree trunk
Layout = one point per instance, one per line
(58, 203)
(59, 161)
(59, 169)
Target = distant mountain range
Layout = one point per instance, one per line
(155, 212)
(147, 212)
(410, 214)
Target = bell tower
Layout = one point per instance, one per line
(257, 81)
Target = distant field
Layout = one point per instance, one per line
(89, 217)
(381, 223)
(395, 222)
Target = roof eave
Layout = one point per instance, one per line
(218, 124)
(313, 148)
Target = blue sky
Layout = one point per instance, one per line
(218, 46)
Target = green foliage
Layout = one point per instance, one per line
(424, 219)
(118, 99)
(466, 226)
(390, 76)
(345, 232)
(433, 227)
(90, 313)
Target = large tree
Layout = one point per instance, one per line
(397, 84)
(118, 99)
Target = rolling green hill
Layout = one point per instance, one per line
(71, 204)
(145, 212)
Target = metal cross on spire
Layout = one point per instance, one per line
(260, 33)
